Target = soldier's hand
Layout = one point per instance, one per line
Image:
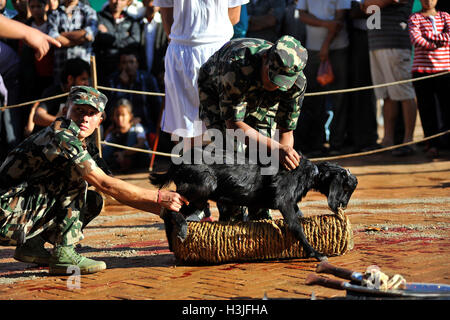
(289, 158)
(172, 200)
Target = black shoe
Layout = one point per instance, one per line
(403, 151)
(371, 147)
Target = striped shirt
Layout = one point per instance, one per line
(393, 30)
(431, 39)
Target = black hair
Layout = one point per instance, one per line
(129, 50)
(43, 2)
(74, 67)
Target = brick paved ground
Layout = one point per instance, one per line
(407, 200)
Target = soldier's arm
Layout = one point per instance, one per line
(286, 137)
(289, 158)
(135, 196)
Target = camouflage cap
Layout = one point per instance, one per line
(287, 58)
(89, 96)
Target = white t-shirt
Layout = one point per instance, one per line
(202, 20)
(325, 10)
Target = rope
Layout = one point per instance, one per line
(358, 154)
(34, 101)
(308, 94)
(221, 242)
(140, 150)
(132, 91)
(374, 278)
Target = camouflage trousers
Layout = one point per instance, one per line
(60, 219)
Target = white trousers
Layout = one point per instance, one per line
(182, 64)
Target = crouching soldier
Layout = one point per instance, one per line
(44, 194)
(255, 86)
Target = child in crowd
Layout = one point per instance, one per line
(38, 20)
(125, 131)
(430, 34)
(52, 5)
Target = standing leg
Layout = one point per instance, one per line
(295, 226)
(339, 124)
(390, 113)
(409, 108)
(442, 87)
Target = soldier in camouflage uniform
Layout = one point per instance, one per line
(44, 194)
(254, 85)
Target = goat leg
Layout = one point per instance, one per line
(174, 222)
(295, 226)
(298, 212)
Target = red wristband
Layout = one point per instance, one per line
(159, 196)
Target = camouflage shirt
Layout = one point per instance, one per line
(53, 157)
(230, 88)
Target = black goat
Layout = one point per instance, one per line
(243, 184)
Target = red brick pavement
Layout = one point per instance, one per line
(406, 200)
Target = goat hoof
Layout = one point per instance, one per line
(182, 233)
(318, 256)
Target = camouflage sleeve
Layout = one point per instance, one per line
(232, 106)
(289, 109)
(79, 157)
(83, 163)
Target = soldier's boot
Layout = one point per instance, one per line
(65, 257)
(33, 251)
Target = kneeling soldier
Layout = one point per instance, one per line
(44, 194)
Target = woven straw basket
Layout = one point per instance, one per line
(221, 242)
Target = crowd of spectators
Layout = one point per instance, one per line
(129, 43)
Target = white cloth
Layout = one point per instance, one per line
(199, 29)
(325, 10)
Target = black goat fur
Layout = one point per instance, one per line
(244, 185)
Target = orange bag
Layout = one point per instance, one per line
(325, 74)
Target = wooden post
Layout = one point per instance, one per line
(94, 84)
(158, 131)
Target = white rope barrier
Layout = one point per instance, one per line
(375, 86)
(139, 149)
(34, 101)
(132, 91)
(306, 94)
(350, 155)
(365, 153)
